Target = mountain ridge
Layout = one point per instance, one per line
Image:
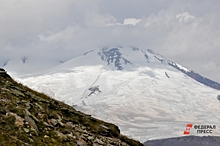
(120, 63)
(108, 54)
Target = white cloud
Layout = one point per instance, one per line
(185, 31)
(131, 21)
(184, 17)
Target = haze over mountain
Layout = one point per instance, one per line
(185, 31)
(142, 92)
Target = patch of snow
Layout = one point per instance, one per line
(182, 68)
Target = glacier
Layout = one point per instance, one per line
(140, 92)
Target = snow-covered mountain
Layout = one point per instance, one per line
(145, 94)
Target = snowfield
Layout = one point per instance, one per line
(140, 99)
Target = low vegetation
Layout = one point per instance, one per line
(31, 118)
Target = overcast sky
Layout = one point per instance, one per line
(185, 31)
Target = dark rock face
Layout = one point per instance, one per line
(218, 97)
(198, 77)
(93, 90)
(204, 80)
(2, 70)
(161, 60)
(24, 59)
(87, 52)
(3, 73)
(31, 118)
(186, 141)
(113, 56)
(6, 62)
(167, 75)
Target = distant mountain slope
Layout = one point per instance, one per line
(197, 77)
(31, 118)
(186, 141)
(26, 65)
(137, 90)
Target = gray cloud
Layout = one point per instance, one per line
(185, 31)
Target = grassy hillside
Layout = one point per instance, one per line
(31, 118)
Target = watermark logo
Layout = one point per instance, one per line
(200, 129)
(187, 131)
(205, 129)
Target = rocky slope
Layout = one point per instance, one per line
(31, 118)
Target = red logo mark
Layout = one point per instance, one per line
(188, 127)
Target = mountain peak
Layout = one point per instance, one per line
(130, 58)
(113, 56)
